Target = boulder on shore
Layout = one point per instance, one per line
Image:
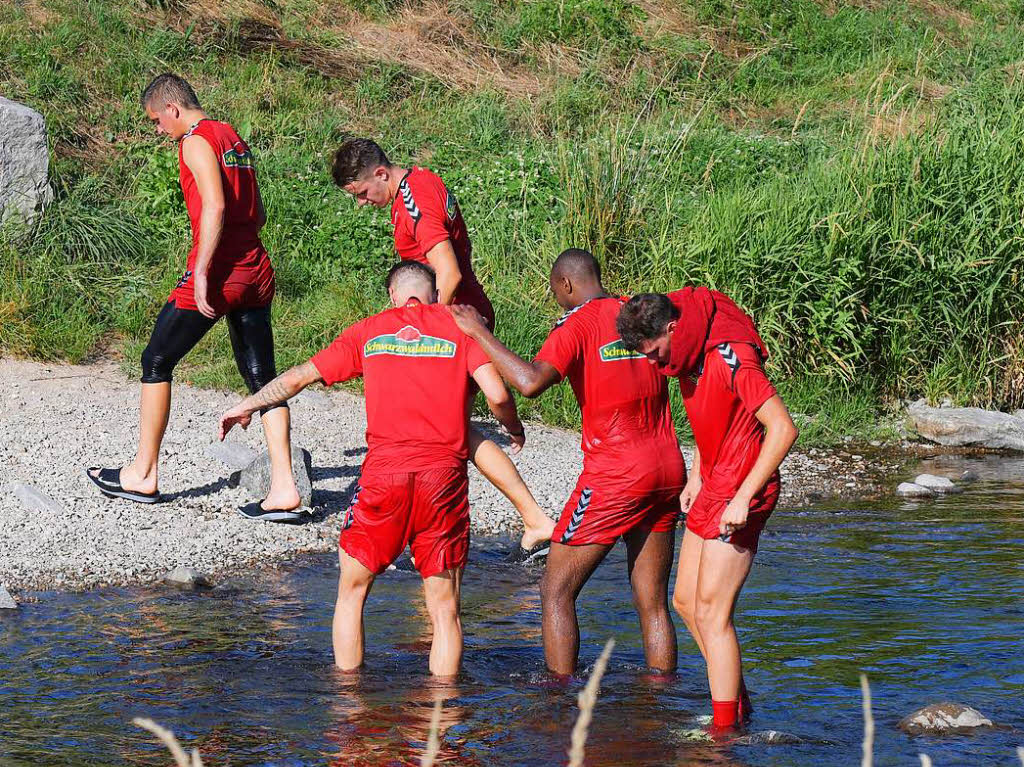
(186, 578)
(256, 476)
(943, 719)
(967, 426)
(6, 600)
(24, 162)
(937, 484)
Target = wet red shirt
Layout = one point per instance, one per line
(426, 213)
(240, 258)
(627, 420)
(416, 366)
(720, 403)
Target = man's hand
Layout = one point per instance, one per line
(518, 439)
(200, 286)
(468, 319)
(236, 415)
(690, 492)
(735, 516)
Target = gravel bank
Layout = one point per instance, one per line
(59, 419)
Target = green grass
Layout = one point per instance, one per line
(849, 174)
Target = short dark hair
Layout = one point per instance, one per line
(404, 269)
(644, 318)
(170, 89)
(576, 262)
(355, 157)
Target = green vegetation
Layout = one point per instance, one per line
(851, 175)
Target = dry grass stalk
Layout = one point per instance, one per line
(587, 701)
(1020, 754)
(869, 723)
(168, 739)
(926, 760)
(434, 739)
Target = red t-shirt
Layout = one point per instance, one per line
(240, 256)
(627, 420)
(416, 366)
(720, 403)
(424, 214)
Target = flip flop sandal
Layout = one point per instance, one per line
(521, 556)
(256, 511)
(109, 483)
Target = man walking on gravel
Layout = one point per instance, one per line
(742, 432)
(228, 273)
(633, 470)
(418, 371)
(429, 229)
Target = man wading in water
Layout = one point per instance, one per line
(418, 371)
(742, 432)
(429, 229)
(632, 469)
(228, 273)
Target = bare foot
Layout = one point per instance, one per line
(284, 499)
(135, 481)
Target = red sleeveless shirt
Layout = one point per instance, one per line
(240, 274)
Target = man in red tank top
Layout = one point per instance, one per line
(742, 432)
(227, 273)
(429, 228)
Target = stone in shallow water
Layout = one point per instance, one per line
(6, 600)
(937, 484)
(969, 476)
(942, 718)
(256, 476)
(767, 738)
(910, 490)
(186, 578)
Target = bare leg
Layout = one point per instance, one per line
(277, 430)
(567, 569)
(650, 562)
(499, 470)
(141, 475)
(442, 593)
(354, 583)
(723, 570)
(684, 597)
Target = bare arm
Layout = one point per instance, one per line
(442, 258)
(282, 388)
(501, 403)
(693, 482)
(529, 378)
(201, 160)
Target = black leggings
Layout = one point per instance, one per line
(177, 330)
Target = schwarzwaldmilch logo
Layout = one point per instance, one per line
(238, 156)
(615, 351)
(409, 342)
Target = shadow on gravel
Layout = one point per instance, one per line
(328, 503)
(198, 492)
(333, 472)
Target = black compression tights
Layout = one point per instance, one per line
(177, 330)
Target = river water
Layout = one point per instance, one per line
(925, 598)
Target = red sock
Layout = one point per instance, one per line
(725, 713)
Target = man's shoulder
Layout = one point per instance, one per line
(590, 314)
(422, 178)
(731, 358)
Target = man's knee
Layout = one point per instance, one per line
(709, 615)
(156, 368)
(684, 606)
(555, 589)
(443, 611)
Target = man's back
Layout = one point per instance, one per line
(416, 365)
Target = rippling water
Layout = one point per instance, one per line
(925, 598)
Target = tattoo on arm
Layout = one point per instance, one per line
(284, 387)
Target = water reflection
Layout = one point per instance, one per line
(925, 597)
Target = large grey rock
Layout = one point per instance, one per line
(256, 476)
(911, 490)
(943, 718)
(234, 455)
(34, 499)
(937, 484)
(767, 738)
(6, 600)
(186, 578)
(967, 426)
(24, 161)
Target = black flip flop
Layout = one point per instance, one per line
(256, 511)
(109, 483)
(521, 556)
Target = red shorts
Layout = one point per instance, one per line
(245, 284)
(428, 511)
(705, 516)
(600, 511)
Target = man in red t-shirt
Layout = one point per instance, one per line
(227, 274)
(742, 432)
(419, 372)
(633, 471)
(429, 228)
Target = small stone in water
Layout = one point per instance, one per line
(186, 577)
(6, 600)
(911, 490)
(943, 718)
(937, 484)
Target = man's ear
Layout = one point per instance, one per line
(391, 296)
(175, 110)
(670, 328)
(435, 297)
(381, 173)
